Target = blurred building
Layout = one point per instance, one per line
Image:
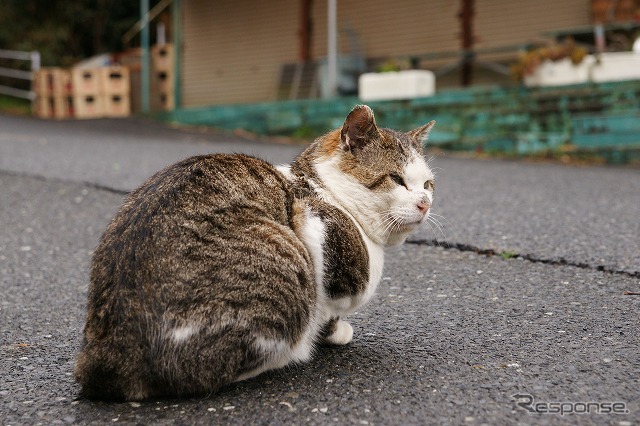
(243, 51)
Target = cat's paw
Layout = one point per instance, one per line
(342, 334)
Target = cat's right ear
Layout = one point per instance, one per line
(359, 128)
(420, 135)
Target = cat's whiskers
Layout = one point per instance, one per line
(430, 226)
(396, 218)
(439, 215)
(434, 170)
(439, 218)
(432, 220)
(390, 222)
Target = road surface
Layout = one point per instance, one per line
(518, 304)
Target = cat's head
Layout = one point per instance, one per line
(378, 175)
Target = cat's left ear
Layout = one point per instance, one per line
(420, 135)
(359, 128)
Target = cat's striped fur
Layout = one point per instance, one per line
(222, 266)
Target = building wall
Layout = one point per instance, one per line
(390, 28)
(504, 22)
(233, 49)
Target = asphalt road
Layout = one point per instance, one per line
(451, 336)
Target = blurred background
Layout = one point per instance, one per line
(525, 78)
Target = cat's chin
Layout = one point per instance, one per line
(396, 239)
(400, 235)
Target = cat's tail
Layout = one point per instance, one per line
(105, 372)
(100, 376)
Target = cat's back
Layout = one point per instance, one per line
(189, 215)
(213, 184)
(202, 256)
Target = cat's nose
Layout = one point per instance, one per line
(423, 206)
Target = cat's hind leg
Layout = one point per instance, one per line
(338, 332)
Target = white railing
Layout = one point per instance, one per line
(34, 58)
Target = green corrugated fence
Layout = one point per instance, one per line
(516, 120)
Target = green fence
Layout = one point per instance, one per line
(591, 117)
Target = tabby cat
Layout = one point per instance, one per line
(221, 267)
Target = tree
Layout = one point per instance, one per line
(65, 31)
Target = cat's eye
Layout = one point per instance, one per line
(428, 185)
(397, 179)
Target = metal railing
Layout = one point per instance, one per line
(34, 58)
(137, 27)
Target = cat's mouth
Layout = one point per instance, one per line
(408, 226)
(404, 222)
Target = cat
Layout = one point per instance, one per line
(221, 266)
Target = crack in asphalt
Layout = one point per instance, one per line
(507, 254)
(88, 184)
(447, 245)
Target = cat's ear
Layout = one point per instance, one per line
(420, 135)
(359, 128)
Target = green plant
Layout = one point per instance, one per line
(13, 105)
(529, 61)
(389, 66)
(506, 255)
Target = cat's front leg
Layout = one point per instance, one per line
(337, 332)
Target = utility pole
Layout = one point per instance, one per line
(305, 30)
(332, 48)
(144, 44)
(466, 21)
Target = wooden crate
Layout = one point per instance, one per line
(58, 107)
(52, 82)
(42, 107)
(115, 80)
(86, 81)
(130, 58)
(62, 107)
(162, 57)
(167, 101)
(117, 105)
(165, 81)
(88, 106)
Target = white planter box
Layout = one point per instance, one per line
(560, 73)
(396, 85)
(616, 66)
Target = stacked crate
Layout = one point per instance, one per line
(53, 93)
(162, 59)
(131, 60)
(87, 93)
(116, 83)
(101, 92)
